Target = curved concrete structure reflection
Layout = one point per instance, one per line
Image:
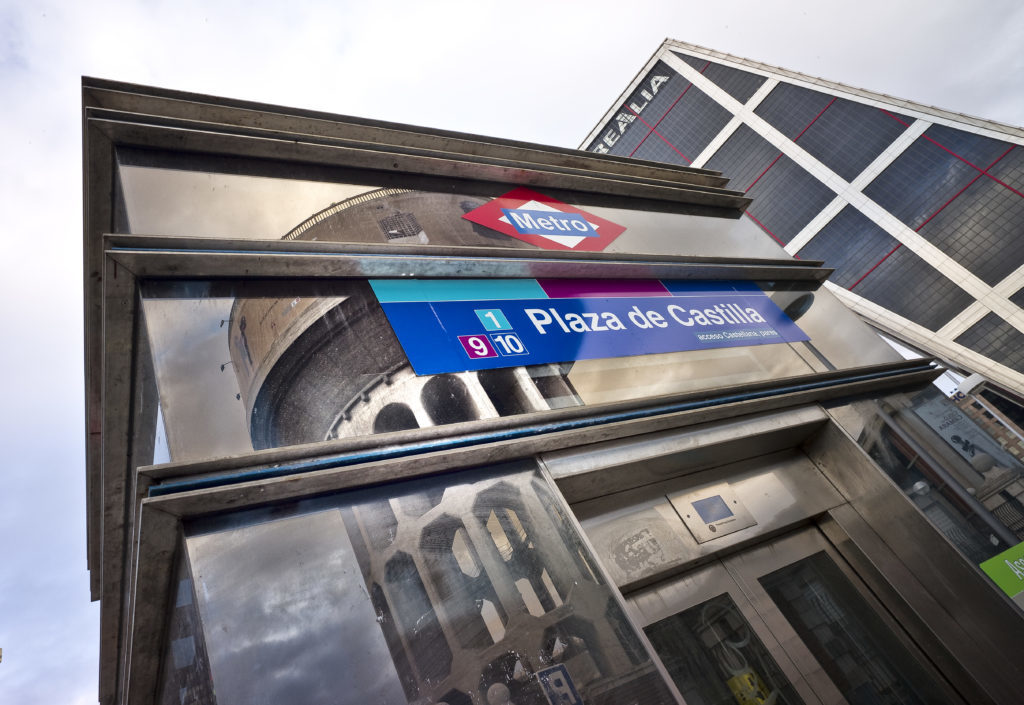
(312, 369)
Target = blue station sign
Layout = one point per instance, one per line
(468, 324)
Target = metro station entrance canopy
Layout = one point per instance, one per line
(378, 413)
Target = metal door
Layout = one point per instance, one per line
(784, 622)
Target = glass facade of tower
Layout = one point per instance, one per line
(918, 211)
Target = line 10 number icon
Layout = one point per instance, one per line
(477, 346)
(508, 344)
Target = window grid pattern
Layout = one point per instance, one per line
(935, 170)
(910, 287)
(632, 122)
(693, 61)
(1010, 169)
(848, 136)
(997, 339)
(738, 84)
(1018, 298)
(687, 129)
(976, 149)
(743, 157)
(786, 198)
(789, 109)
(981, 230)
(852, 244)
(919, 182)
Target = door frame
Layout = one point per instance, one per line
(736, 574)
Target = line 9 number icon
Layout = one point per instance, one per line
(477, 346)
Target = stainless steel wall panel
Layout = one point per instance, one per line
(641, 538)
(606, 468)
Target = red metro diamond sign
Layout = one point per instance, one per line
(546, 222)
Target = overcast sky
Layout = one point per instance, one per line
(542, 72)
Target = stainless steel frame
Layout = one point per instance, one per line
(737, 575)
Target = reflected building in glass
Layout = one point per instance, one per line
(919, 210)
(393, 415)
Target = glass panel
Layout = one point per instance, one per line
(715, 658)
(908, 285)
(462, 589)
(931, 173)
(686, 130)
(790, 109)
(275, 352)
(741, 85)
(852, 243)
(911, 440)
(848, 136)
(244, 200)
(885, 440)
(873, 264)
(743, 157)
(963, 434)
(786, 198)
(185, 671)
(262, 365)
(980, 229)
(997, 338)
(860, 654)
(206, 204)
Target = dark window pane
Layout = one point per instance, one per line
(995, 338)
(978, 150)
(743, 157)
(1010, 169)
(789, 109)
(689, 126)
(656, 149)
(849, 136)
(711, 652)
(981, 230)
(739, 84)
(694, 61)
(786, 198)
(395, 417)
(907, 285)
(857, 650)
(919, 182)
(475, 600)
(851, 243)
(447, 400)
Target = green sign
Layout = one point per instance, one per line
(1007, 570)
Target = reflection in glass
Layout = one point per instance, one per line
(238, 370)
(185, 673)
(247, 199)
(715, 658)
(464, 589)
(860, 654)
(266, 365)
(920, 460)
